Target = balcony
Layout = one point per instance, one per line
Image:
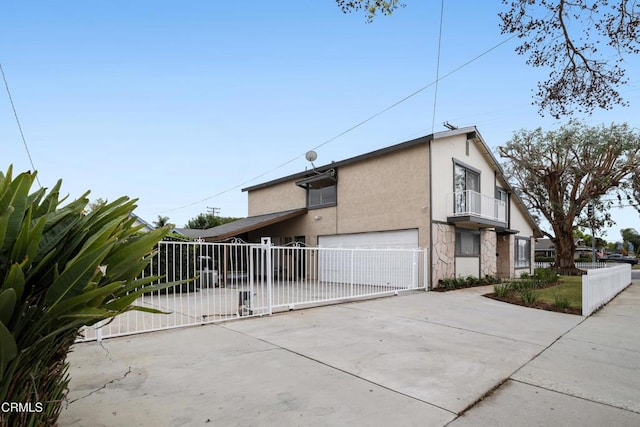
(474, 209)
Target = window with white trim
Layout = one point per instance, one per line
(522, 252)
(467, 243)
(466, 184)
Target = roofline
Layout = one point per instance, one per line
(324, 168)
(516, 198)
(484, 148)
(223, 236)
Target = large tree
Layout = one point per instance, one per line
(208, 220)
(630, 235)
(559, 173)
(583, 44)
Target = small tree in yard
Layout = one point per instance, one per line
(208, 220)
(558, 173)
(61, 268)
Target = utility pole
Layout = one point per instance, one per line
(214, 211)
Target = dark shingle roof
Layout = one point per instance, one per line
(241, 226)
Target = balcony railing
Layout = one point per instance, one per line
(473, 204)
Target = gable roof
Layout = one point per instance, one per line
(470, 131)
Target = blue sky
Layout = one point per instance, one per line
(177, 103)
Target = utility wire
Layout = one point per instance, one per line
(24, 141)
(475, 58)
(435, 95)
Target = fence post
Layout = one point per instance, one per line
(351, 275)
(585, 294)
(414, 268)
(426, 267)
(266, 247)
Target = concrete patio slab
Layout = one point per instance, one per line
(214, 376)
(416, 359)
(469, 311)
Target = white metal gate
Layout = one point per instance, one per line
(240, 279)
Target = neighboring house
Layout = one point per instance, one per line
(137, 221)
(445, 192)
(545, 248)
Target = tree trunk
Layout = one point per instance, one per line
(565, 250)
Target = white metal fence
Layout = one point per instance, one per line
(242, 279)
(600, 286)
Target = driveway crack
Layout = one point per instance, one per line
(101, 388)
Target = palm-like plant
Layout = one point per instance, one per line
(60, 269)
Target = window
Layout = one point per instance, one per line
(319, 197)
(523, 252)
(466, 184)
(467, 243)
(321, 189)
(501, 209)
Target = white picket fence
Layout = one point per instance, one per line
(599, 286)
(255, 279)
(580, 265)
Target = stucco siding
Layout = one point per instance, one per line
(305, 225)
(277, 198)
(444, 152)
(518, 222)
(390, 192)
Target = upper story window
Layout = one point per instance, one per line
(320, 197)
(466, 178)
(502, 209)
(466, 184)
(321, 189)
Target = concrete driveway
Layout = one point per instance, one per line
(417, 359)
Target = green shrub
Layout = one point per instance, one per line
(546, 275)
(501, 289)
(449, 283)
(560, 300)
(470, 281)
(490, 280)
(528, 295)
(60, 269)
(524, 283)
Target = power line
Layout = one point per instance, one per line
(24, 141)
(435, 95)
(349, 129)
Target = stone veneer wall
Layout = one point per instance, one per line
(443, 252)
(504, 261)
(488, 249)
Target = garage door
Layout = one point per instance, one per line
(396, 239)
(369, 259)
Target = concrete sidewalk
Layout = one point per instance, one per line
(418, 359)
(589, 377)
